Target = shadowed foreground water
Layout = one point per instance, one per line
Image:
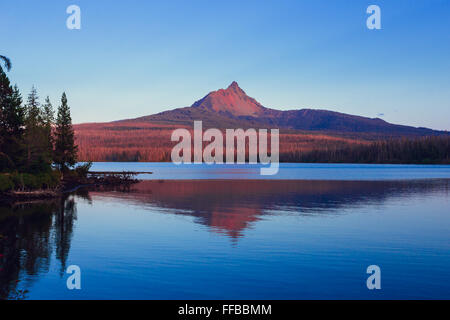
(229, 239)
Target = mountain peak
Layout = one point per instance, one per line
(232, 100)
(234, 85)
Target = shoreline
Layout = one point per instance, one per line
(96, 179)
(29, 195)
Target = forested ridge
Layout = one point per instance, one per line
(150, 142)
(426, 150)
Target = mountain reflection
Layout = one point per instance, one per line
(231, 206)
(29, 234)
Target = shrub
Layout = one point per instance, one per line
(83, 169)
(30, 182)
(55, 178)
(6, 183)
(27, 181)
(5, 163)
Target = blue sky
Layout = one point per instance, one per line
(134, 58)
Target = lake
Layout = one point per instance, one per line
(287, 171)
(220, 232)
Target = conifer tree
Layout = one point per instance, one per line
(39, 158)
(65, 154)
(48, 117)
(11, 123)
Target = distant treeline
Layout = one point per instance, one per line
(425, 150)
(151, 142)
(145, 142)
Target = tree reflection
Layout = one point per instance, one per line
(63, 227)
(29, 234)
(32, 234)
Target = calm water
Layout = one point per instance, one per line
(236, 239)
(287, 171)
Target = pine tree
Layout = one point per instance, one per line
(12, 117)
(39, 158)
(65, 154)
(48, 117)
